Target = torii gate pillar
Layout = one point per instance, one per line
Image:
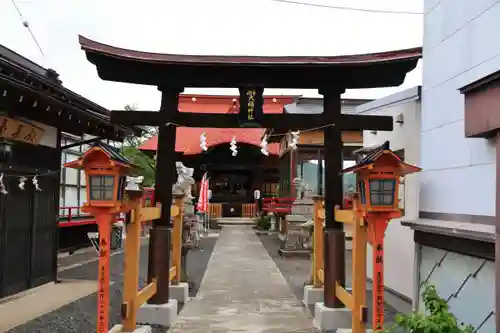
(160, 237)
(334, 241)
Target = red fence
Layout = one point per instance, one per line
(277, 205)
(72, 216)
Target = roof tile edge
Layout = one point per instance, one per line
(92, 46)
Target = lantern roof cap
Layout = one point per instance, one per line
(375, 153)
(111, 152)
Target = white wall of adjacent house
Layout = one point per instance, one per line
(399, 245)
(72, 192)
(460, 46)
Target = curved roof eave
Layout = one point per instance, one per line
(374, 70)
(91, 46)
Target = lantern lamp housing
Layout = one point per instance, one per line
(378, 175)
(106, 171)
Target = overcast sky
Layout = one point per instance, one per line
(203, 27)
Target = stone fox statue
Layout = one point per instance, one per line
(184, 180)
(133, 182)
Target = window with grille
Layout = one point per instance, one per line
(101, 187)
(382, 192)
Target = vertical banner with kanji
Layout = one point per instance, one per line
(376, 232)
(104, 225)
(378, 284)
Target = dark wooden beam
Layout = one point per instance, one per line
(310, 76)
(215, 120)
(351, 122)
(284, 122)
(139, 118)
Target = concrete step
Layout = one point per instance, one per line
(235, 221)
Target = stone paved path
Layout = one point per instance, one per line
(243, 291)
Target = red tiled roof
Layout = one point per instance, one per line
(188, 138)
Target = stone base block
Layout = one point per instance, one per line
(158, 314)
(312, 295)
(328, 319)
(139, 329)
(291, 253)
(349, 330)
(179, 292)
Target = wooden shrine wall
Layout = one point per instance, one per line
(28, 225)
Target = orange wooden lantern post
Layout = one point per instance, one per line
(106, 172)
(378, 177)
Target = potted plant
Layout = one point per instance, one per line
(436, 319)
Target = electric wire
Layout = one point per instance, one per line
(26, 25)
(377, 11)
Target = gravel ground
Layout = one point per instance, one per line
(296, 271)
(80, 316)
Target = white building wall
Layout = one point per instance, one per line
(460, 46)
(458, 49)
(399, 244)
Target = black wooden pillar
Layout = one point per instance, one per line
(320, 173)
(57, 210)
(334, 242)
(160, 236)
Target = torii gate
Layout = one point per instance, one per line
(251, 74)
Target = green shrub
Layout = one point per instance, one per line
(436, 319)
(264, 223)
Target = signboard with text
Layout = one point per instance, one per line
(251, 106)
(13, 129)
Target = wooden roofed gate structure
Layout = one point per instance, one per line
(251, 75)
(36, 109)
